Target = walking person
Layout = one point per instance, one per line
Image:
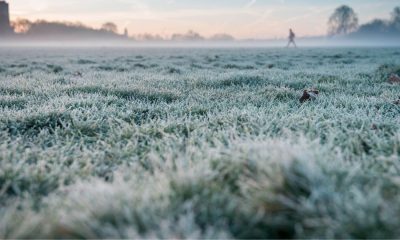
(292, 36)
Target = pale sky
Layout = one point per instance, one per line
(240, 18)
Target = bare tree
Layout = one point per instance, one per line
(396, 18)
(21, 25)
(396, 14)
(343, 21)
(110, 27)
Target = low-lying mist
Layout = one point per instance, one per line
(249, 43)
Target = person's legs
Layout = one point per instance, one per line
(294, 43)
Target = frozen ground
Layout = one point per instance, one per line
(199, 143)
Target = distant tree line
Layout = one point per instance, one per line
(344, 21)
(188, 36)
(42, 29)
(46, 30)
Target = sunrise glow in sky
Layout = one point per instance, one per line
(240, 18)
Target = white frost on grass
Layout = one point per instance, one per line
(198, 143)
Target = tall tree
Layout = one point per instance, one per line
(343, 21)
(396, 18)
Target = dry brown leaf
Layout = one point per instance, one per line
(393, 79)
(309, 95)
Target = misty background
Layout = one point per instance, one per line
(344, 28)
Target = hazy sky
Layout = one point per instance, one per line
(241, 18)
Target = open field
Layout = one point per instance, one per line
(199, 143)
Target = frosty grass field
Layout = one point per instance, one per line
(199, 143)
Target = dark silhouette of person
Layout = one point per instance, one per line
(292, 36)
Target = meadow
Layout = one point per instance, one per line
(199, 143)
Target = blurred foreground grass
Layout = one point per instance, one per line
(199, 143)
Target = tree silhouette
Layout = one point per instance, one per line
(21, 25)
(110, 27)
(343, 21)
(396, 18)
(377, 26)
(381, 27)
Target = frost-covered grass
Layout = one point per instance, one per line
(199, 143)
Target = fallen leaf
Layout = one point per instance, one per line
(309, 95)
(393, 79)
